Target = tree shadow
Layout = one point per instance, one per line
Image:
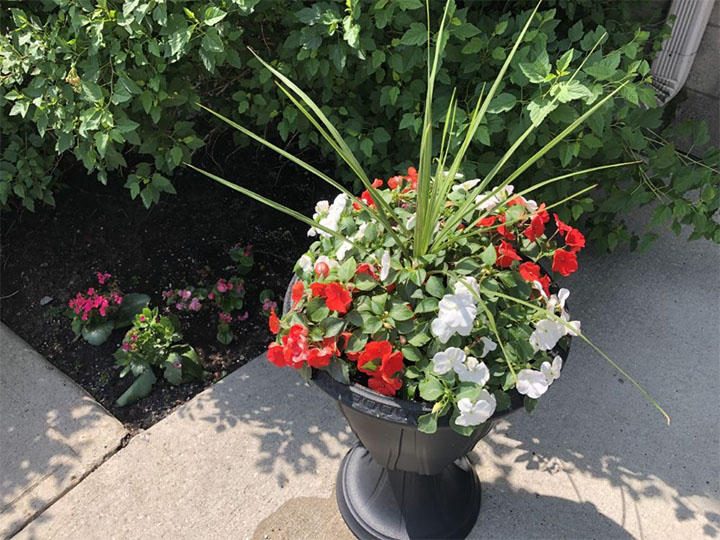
(48, 436)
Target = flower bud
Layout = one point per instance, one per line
(322, 269)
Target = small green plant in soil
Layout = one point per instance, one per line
(155, 342)
(226, 295)
(97, 312)
(269, 305)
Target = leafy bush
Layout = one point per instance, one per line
(99, 79)
(155, 341)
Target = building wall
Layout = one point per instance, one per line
(700, 97)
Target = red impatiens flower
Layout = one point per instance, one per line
(575, 240)
(337, 298)
(561, 227)
(564, 262)
(412, 175)
(366, 268)
(486, 221)
(298, 291)
(537, 225)
(504, 231)
(320, 356)
(530, 271)
(294, 350)
(395, 181)
(383, 365)
(545, 282)
(506, 255)
(318, 289)
(276, 354)
(274, 322)
(296, 346)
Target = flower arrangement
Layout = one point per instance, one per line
(155, 341)
(431, 287)
(96, 312)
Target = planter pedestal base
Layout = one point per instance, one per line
(381, 504)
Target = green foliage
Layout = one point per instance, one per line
(98, 80)
(155, 341)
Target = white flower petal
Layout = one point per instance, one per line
(473, 371)
(546, 334)
(488, 346)
(531, 383)
(385, 265)
(448, 360)
(473, 414)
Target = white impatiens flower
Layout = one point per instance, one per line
(488, 346)
(551, 371)
(487, 202)
(448, 360)
(456, 314)
(330, 215)
(546, 334)
(473, 414)
(531, 383)
(332, 263)
(467, 186)
(385, 265)
(305, 263)
(460, 287)
(347, 246)
(473, 371)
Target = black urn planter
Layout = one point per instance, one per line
(397, 482)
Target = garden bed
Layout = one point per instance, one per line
(181, 241)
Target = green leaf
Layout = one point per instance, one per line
(427, 423)
(412, 353)
(400, 311)
(332, 326)
(176, 155)
(435, 286)
(213, 15)
(173, 374)
(339, 370)
(489, 255)
(92, 91)
(502, 103)
(415, 35)
(537, 71)
(140, 388)
(132, 304)
(431, 389)
(101, 141)
(98, 334)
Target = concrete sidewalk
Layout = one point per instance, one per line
(52, 433)
(256, 455)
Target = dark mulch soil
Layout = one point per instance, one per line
(181, 241)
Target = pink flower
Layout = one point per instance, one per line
(194, 304)
(186, 295)
(102, 277)
(142, 318)
(179, 306)
(126, 346)
(167, 294)
(211, 296)
(225, 318)
(222, 285)
(243, 317)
